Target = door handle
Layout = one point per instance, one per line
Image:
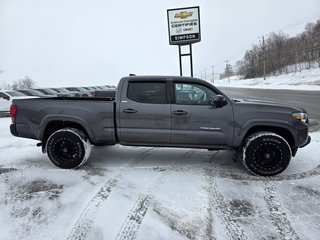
(180, 112)
(129, 110)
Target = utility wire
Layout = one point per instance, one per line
(300, 21)
(296, 22)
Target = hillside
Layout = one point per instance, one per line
(304, 80)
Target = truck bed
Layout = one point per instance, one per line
(96, 115)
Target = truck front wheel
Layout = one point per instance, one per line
(266, 154)
(68, 148)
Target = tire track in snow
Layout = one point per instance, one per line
(294, 176)
(223, 212)
(6, 170)
(210, 222)
(237, 175)
(130, 228)
(297, 176)
(84, 224)
(88, 216)
(277, 214)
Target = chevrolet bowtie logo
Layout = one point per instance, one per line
(183, 15)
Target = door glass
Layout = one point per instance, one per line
(193, 94)
(147, 92)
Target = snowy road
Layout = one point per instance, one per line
(154, 193)
(309, 100)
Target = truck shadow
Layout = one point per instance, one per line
(215, 163)
(121, 156)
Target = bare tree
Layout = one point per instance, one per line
(25, 83)
(283, 53)
(4, 86)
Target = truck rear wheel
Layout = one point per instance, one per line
(68, 148)
(266, 154)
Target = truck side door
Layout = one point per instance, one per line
(144, 116)
(4, 102)
(196, 122)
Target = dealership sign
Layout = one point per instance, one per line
(184, 25)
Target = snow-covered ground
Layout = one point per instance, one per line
(304, 80)
(154, 193)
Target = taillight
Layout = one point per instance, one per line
(13, 112)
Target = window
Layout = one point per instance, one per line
(15, 94)
(2, 95)
(193, 94)
(147, 92)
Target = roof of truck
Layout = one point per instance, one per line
(167, 78)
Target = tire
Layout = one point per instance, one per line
(68, 148)
(266, 154)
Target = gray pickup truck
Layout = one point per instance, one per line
(164, 112)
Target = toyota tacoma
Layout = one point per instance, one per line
(164, 111)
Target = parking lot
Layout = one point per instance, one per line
(154, 193)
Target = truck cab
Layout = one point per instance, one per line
(173, 111)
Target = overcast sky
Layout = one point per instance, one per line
(96, 42)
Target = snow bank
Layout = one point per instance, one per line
(304, 80)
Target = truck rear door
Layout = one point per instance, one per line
(144, 116)
(4, 102)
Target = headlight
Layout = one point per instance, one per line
(303, 117)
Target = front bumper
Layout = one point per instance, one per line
(308, 140)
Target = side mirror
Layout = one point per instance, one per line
(218, 101)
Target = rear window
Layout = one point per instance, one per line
(147, 92)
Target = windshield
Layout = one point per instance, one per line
(73, 89)
(50, 91)
(35, 93)
(15, 94)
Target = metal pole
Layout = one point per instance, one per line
(227, 70)
(212, 74)
(264, 59)
(180, 63)
(191, 64)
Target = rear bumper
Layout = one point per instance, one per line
(308, 140)
(13, 130)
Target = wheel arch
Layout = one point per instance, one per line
(52, 125)
(282, 131)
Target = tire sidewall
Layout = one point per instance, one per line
(252, 162)
(69, 134)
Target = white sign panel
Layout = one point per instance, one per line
(184, 25)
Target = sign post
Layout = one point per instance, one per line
(184, 29)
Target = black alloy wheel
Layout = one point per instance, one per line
(266, 154)
(68, 148)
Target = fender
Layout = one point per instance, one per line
(244, 129)
(65, 118)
